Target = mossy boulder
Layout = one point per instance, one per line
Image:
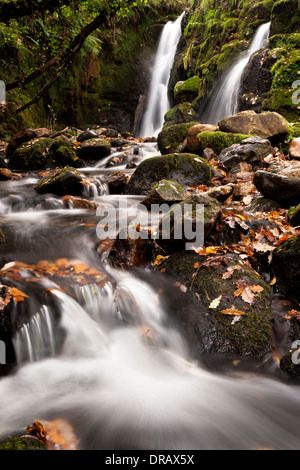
(172, 138)
(218, 141)
(165, 191)
(67, 181)
(189, 222)
(286, 267)
(252, 151)
(248, 331)
(182, 168)
(187, 90)
(94, 149)
(32, 156)
(182, 113)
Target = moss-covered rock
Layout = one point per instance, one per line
(286, 267)
(172, 138)
(165, 191)
(246, 333)
(32, 156)
(182, 113)
(189, 222)
(188, 90)
(94, 149)
(183, 168)
(218, 141)
(62, 182)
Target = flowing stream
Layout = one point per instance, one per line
(106, 357)
(225, 100)
(158, 102)
(122, 376)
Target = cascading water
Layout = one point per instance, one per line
(225, 102)
(158, 102)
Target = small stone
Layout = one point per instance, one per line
(294, 149)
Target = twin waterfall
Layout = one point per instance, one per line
(225, 99)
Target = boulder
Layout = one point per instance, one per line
(128, 252)
(281, 185)
(117, 183)
(173, 232)
(220, 321)
(294, 148)
(262, 204)
(87, 135)
(188, 90)
(173, 138)
(265, 125)
(74, 202)
(165, 191)
(94, 149)
(252, 151)
(185, 169)
(18, 139)
(32, 156)
(193, 143)
(182, 113)
(218, 141)
(63, 182)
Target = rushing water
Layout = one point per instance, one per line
(225, 100)
(123, 377)
(158, 102)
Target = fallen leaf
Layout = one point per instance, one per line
(215, 303)
(233, 311)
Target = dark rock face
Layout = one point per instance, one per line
(282, 186)
(286, 267)
(94, 149)
(183, 168)
(18, 139)
(215, 332)
(256, 81)
(252, 151)
(62, 183)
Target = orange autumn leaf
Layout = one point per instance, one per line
(18, 295)
(232, 311)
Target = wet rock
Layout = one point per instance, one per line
(188, 90)
(171, 138)
(185, 169)
(288, 365)
(208, 154)
(62, 153)
(6, 174)
(63, 182)
(262, 204)
(252, 151)
(79, 203)
(221, 193)
(32, 156)
(117, 160)
(173, 226)
(265, 125)
(17, 443)
(248, 333)
(193, 143)
(117, 183)
(240, 170)
(18, 139)
(111, 133)
(94, 149)
(243, 189)
(128, 252)
(281, 185)
(294, 148)
(165, 191)
(286, 267)
(87, 135)
(117, 143)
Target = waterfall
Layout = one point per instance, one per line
(158, 102)
(225, 102)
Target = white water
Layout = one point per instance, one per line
(120, 389)
(158, 102)
(225, 102)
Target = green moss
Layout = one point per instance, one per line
(170, 138)
(22, 443)
(188, 90)
(285, 17)
(32, 156)
(219, 141)
(182, 113)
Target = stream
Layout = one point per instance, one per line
(118, 387)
